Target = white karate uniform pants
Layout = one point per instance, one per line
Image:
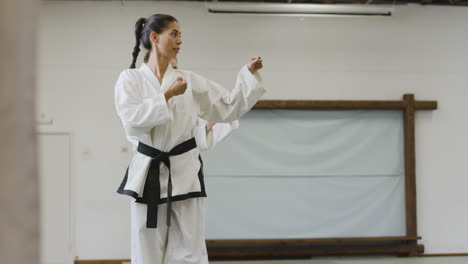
(181, 243)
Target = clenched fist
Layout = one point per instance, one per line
(178, 87)
(254, 64)
(209, 127)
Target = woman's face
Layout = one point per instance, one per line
(168, 42)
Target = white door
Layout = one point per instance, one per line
(54, 175)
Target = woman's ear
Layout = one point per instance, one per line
(154, 37)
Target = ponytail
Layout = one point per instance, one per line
(139, 25)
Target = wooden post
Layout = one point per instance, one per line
(410, 167)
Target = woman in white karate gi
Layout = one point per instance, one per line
(159, 108)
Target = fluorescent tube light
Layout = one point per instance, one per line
(298, 9)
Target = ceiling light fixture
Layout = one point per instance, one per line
(299, 9)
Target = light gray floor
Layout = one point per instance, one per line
(355, 260)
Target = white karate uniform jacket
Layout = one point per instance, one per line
(148, 118)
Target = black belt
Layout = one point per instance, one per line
(152, 189)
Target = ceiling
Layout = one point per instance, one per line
(373, 2)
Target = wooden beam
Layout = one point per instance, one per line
(410, 167)
(307, 252)
(309, 240)
(341, 105)
(425, 105)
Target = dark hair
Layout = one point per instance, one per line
(143, 29)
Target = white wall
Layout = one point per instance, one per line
(420, 50)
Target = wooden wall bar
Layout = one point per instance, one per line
(342, 105)
(273, 249)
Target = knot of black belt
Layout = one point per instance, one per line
(152, 189)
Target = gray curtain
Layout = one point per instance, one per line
(308, 174)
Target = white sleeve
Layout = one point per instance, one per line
(215, 103)
(136, 111)
(204, 141)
